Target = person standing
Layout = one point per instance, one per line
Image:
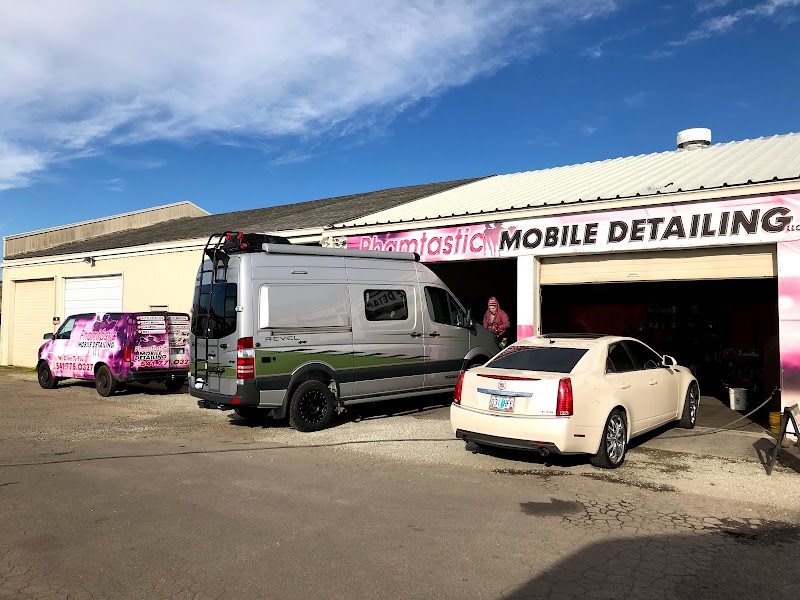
(496, 321)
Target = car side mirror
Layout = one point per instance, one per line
(668, 361)
(48, 336)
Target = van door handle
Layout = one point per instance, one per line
(224, 346)
(211, 355)
(624, 386)
(435, 334)
(416, 335)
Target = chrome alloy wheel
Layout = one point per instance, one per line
(615, 439)
(692, 400)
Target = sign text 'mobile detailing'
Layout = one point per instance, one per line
(728, 222)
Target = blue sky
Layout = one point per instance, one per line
(112, 107)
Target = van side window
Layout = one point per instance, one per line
(385, 305)
(66, 329)
(445, 309)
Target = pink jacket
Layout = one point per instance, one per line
(500, 324)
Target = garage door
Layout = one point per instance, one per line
(33, 311)
(744, 262)
(92, 294)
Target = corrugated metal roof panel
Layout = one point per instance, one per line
(729, 164)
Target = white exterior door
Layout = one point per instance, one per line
(34, 305)
(92, 295)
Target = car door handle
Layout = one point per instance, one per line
(653, 382)
(416, 335)
(435, 334)
(624, 386)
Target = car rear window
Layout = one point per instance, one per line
(536, 358)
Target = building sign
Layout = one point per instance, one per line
(725, 222)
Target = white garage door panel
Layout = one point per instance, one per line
(34, 306)
(92, 294)
(702, 263)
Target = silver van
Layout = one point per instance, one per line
(301, 331)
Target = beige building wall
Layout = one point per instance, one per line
(150, 277)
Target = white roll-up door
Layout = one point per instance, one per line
(92, 295)
(738, 262)
(33, 312)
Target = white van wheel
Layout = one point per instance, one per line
(312, 406)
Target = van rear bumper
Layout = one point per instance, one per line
(246, 395)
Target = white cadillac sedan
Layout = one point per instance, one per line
(571, 394)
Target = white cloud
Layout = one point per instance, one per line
(775, 10)
(114, 185)
(637, 99)
(84, 76)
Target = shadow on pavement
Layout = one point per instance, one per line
(125, 389)
(787, 455)
(733, 558)
(381, 409)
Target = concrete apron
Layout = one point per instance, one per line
(717, 435)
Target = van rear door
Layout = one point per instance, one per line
(178, 335)
(215, 334)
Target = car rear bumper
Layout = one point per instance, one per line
(557, 434)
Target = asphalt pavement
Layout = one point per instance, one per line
(145, 496)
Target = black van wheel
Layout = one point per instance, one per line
(312, 406)
(45, 376)
(175, 384)
(104, 381)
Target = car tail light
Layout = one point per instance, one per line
(507, 377)
(245, 359)
(564, 404)
(459, 386)
(126, 354)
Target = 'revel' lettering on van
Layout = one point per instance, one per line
(303, 331)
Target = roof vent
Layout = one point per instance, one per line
(694, 138)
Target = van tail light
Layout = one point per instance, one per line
(126, 354)
(459, 385)
(564, 404)
(245, 359)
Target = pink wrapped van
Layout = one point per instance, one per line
(117, 348)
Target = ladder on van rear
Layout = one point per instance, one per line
(218, 253)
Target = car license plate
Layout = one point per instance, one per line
(502, 403)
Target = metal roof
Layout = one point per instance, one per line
(282, 218)
(738, 163)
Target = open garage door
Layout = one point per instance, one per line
(34, 305)
(92, 294)
(741, 262)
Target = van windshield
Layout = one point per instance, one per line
(214, 310)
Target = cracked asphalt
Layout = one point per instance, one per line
(145, 496)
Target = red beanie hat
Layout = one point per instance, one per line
(493, 300)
